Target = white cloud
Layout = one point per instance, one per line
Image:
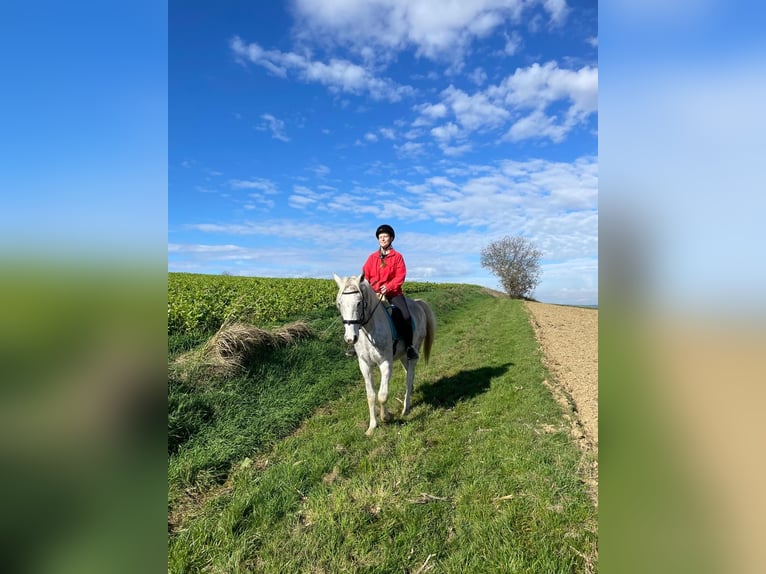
(429, 113)
(446, 132)
(538, 86)
(265, 185)
(512, 43)
(434, 28)
(338, 75)
(536, 125)
(301, 201)
(410, 149)
(282, 228)
(456, 150)
(521, 99)
(258, 201)
(556, 203)
(444, 135)
(304, 197)
(388, 133)
(557, 9)
(419, 188)
(177, 248)
(474, 111)
(275, 125)
(440, 181)
(319, 170)
(413, 134)
(478, 76)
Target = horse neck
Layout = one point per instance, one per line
(374, 306)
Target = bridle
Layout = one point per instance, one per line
(361, 322)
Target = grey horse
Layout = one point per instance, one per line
(368, 328)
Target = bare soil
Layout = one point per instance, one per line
(568, 338)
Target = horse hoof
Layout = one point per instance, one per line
(369, 431)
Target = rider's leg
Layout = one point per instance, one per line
(401, 304)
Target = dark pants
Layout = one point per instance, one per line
(400, 304)
(406, 328)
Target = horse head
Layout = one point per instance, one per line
(352, 304)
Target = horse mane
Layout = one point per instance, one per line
(360, 282)
(366, 289)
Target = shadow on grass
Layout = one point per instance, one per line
(448, 391)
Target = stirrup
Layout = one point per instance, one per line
(412, 353)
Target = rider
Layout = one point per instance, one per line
(385, 270)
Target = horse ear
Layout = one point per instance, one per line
(338, 280)
(361, 277)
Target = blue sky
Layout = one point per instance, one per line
(296, 128)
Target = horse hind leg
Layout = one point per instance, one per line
(409, 369)
(410, 364)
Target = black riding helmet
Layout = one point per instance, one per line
(385, 229)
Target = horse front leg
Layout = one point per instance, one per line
(370, 389)
(409, 369)
(385, 378)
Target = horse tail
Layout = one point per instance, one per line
(430, 329)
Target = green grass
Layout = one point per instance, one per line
(481, 476)
(213, 422)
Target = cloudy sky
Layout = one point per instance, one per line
(296, 128)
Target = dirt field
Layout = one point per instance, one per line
(568, 337)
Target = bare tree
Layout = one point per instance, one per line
(516, 261)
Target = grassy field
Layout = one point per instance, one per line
(271, 472)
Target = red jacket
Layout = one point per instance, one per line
(389, 271)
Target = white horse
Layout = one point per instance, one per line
(368, 328)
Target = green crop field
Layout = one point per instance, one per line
(201, 303)
(269, 469)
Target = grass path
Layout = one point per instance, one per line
(480, 477)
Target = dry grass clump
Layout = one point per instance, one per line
(236, 345)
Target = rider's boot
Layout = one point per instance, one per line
(412, 352)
